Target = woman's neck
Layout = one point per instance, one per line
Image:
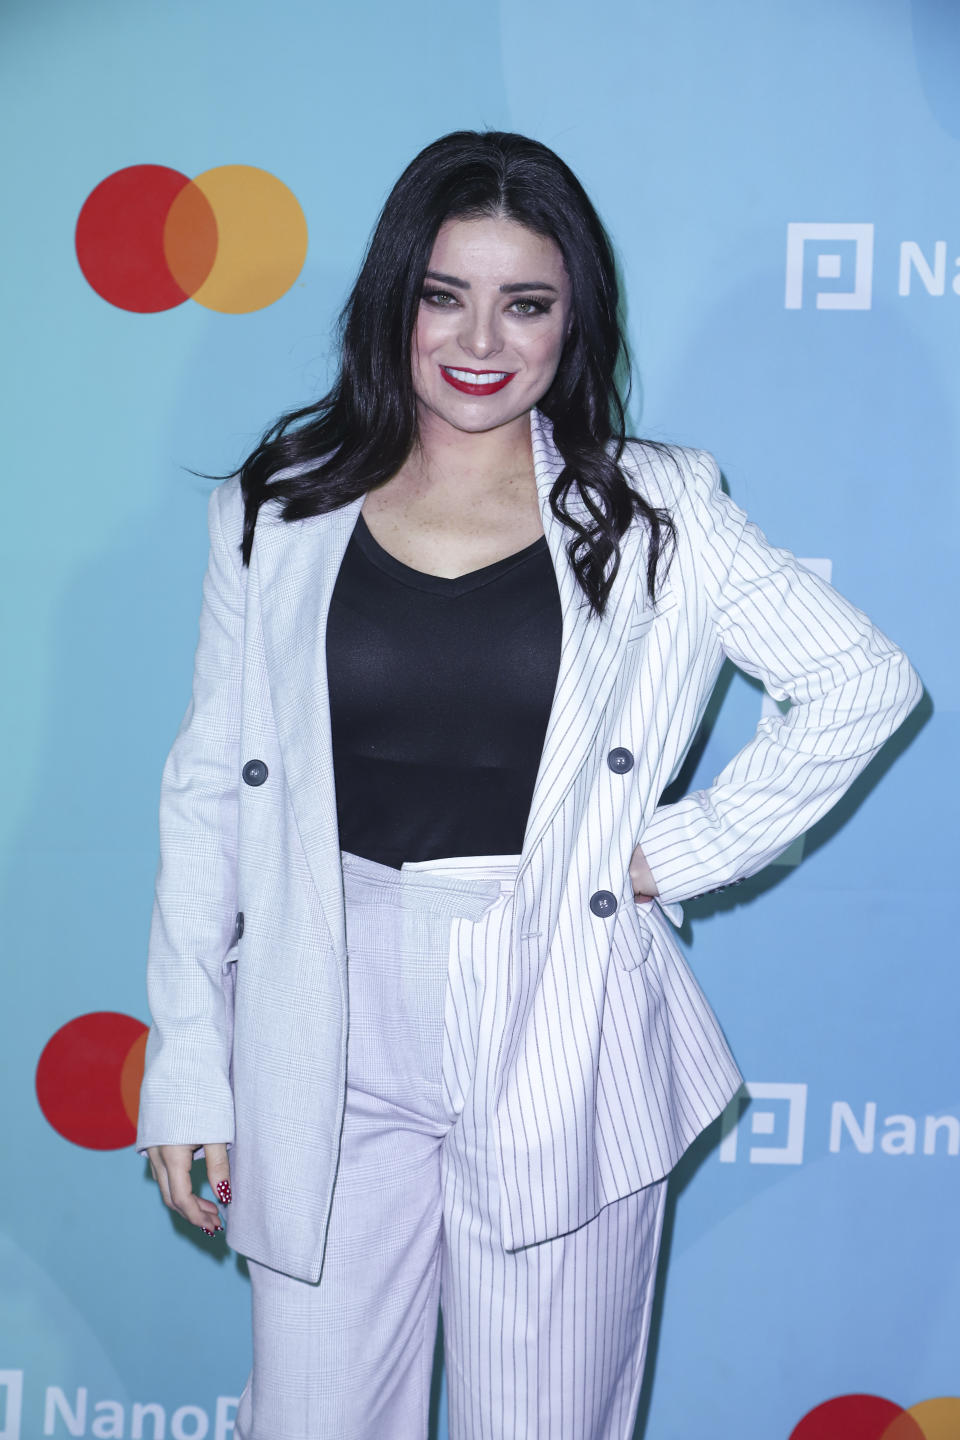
(460, 501)
(469, 463)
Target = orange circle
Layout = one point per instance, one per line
(261, 238)
(939, 1419)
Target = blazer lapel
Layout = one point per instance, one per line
(297, 566)
(591, 649)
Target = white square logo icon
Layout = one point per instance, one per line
(783, 1119)
(832, 264)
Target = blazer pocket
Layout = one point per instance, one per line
(228, 980)
(640, 624)
(228, 973)
(633, 937)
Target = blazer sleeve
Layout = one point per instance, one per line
(849, 687)
(186, 1094)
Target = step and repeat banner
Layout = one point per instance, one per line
(189, 189)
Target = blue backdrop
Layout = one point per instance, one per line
(782, 183)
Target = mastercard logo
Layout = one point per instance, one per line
(88, 1079)
(870, 1417)
(234, 238)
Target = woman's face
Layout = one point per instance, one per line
(493, 317)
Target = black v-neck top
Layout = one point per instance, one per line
(440, 691)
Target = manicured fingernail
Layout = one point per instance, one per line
(224, 1194)
(206, 1231)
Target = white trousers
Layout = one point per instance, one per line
(543, 1343)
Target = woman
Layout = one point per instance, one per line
(411, 981)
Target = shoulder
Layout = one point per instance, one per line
(707, 524)
(674, 477)
(684, 481)
(225, 512)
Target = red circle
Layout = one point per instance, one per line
(79, 1080)
(120, 238)
(853, 1417)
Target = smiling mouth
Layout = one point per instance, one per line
(476, 382)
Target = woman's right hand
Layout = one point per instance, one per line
(171, 1166)
(644, 885)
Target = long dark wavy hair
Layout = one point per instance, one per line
(360, 433)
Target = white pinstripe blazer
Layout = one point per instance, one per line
(612, 1061)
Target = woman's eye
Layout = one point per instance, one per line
(529, 306)
(441, 298)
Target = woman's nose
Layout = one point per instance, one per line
(480, 334)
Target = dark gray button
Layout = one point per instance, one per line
(254, 772)
(717, 888)
(620, 760)
(239, 924)
(603, 903)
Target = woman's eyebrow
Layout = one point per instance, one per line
(504, 289)
(448, 279)
(527, 285)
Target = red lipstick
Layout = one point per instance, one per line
(452, 376)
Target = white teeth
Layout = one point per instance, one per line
(487, 377)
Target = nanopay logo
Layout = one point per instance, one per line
(88, 1080)
(79, 1414)
(870, 1417)
(234, 239)
(779, 1128)
(842, 257)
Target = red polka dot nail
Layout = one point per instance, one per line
(224, 1193)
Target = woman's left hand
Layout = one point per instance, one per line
(171, 1166)
(644, 885)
